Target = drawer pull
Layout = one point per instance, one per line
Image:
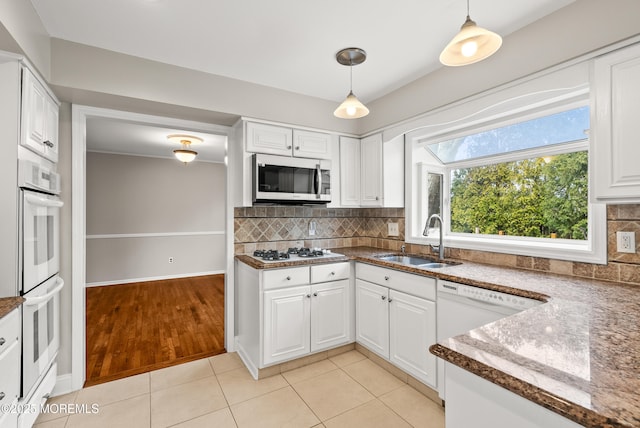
(1, 395)
(288, 278)
(386, 278)
(332, 273)
(384, 297)
(2, 341)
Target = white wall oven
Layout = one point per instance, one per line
(40, 284)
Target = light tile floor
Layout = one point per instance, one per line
(347, 390)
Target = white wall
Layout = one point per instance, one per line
(140, 211)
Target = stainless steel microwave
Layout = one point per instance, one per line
(291, 180)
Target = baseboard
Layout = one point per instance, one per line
(153, 278)
(246, 360)
(63, 385)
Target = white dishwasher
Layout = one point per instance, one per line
(461, 308)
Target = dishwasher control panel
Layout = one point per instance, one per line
(487, 296)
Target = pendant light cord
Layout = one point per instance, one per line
(467, 8)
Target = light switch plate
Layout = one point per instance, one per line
(626, 242)
(393, 229)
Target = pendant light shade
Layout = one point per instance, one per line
(185, 154)
(470, 45)
(351, 107)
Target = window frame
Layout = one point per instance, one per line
(593, 250)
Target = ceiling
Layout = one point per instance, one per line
(284, 44)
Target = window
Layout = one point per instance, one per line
(518, 187)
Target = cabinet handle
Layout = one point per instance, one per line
(288, 278)
(390, 300)
(315, 294)
(2, 341)
(1, 395)
(384, 297)
(288, 147)
(386, 278)
(48, 143)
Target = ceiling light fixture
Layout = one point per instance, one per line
(185, 154)
(351, 107)
(471, 44)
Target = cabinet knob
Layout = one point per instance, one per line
(332, 273)
(1, 395)
(384, 297)
(289, 147)
(315, 294)
(390, 300)
(2, 341)
(288, 278)
(297, 147)
(308, 296)
(386, 278)
(377, 198)
(48, 143)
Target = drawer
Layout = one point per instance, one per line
(10, 369)
(278, 278)
(9, 330)
(417, 285)
(329, 272)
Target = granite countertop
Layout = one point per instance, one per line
(7, 304)
(577, 355)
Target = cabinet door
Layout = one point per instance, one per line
(615, 150)
(33, 113)
(51, 130)
(330, 314)
(270, 139)
(372, 317)
(371, 171)
(286, 323)
(315, 145)
(349, 172)
(412, 324)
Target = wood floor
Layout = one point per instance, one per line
(138, 327)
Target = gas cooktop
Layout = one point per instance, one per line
(293, 254)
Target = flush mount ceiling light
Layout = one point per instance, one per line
(185, 154)
(471, 44)
(351, 107)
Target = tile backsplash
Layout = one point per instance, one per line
(281, 227)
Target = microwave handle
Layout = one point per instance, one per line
(43, 202)
(32, 301)
(318, 180)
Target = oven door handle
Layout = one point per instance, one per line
(32, 301)
(43, 202)
(318, 181)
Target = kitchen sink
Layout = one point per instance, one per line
(416, 261)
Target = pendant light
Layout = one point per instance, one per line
(185, 154)
(471, 44)
(351, 107)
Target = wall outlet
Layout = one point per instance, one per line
(393, 229)
(170, 259)
(312, 228)
(626, 242)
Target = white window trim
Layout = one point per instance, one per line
(593, 251)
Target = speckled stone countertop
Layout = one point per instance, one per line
(577, 355)
(7, 304)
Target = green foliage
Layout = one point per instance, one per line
(531, 197)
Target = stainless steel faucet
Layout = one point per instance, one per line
(425, 232)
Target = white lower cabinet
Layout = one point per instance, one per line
(396, 318)
(288, 313)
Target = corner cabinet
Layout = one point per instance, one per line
(39, 126)
(372, 172)
(615, 145)
(396, 318)
(291, 312)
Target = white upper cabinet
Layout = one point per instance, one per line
(349, 172)
(308, 144)
(615, 145)
(39, 129)
(280, 140)
(372, 172)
